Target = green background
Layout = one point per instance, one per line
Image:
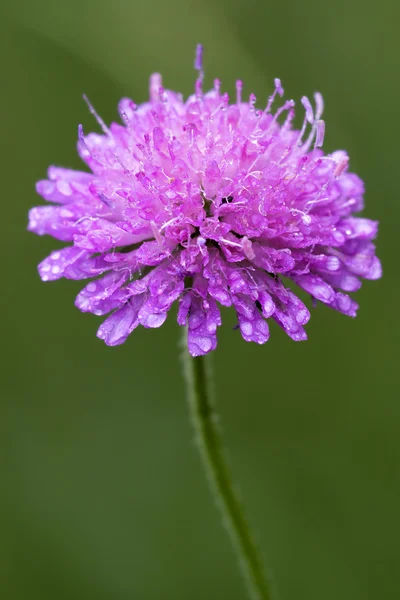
(102, 494)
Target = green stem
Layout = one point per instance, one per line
(209, 442)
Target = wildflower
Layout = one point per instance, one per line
(207, 202)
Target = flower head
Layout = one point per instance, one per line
(207, 202)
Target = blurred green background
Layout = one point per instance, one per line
(102, 494)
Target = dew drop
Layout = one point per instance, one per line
(247, 328)
(155, 320)
(204, 343)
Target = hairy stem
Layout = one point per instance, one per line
(209, 442)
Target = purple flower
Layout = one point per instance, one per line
(207, 203)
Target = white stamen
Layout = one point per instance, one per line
(198, 61)
(304, 217)
(319, 105)
(201, 242)
(302, 131)
(278, 90)
(319, 140)
(157, 235)
(247, 247)
(217, 85)
(289, 104)
(97, 117)
(154, 86)
(174, 220)
(198, 65)
(341, 166)
(308, 108)
(229, 243)
(278, 86)
(239, 87)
